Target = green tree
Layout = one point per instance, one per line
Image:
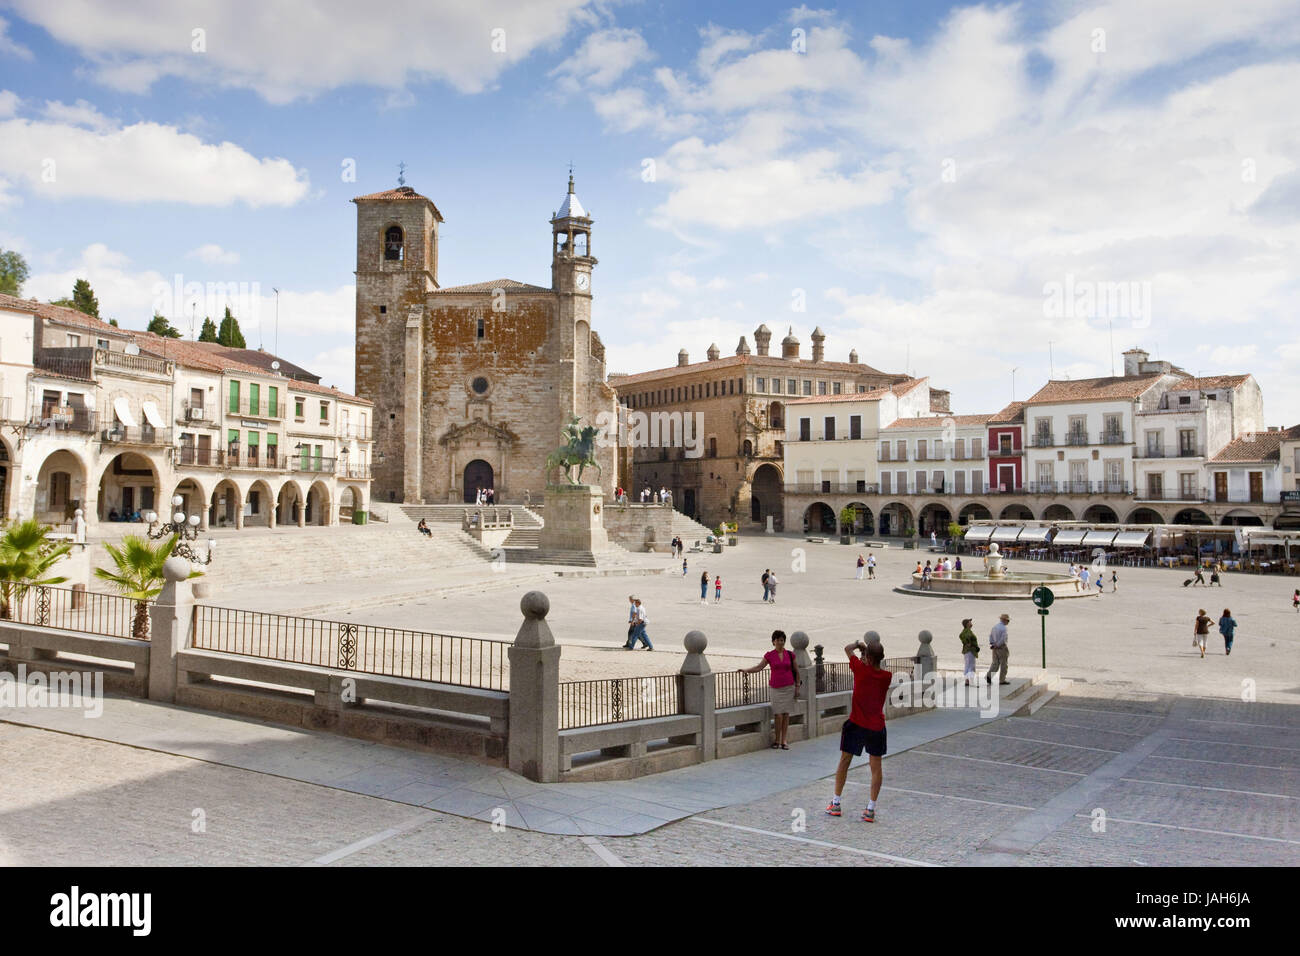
(139, 575)
(208, 332)
(13, 272)
(26, 556)
(83, 298)
(113, 322)
(159, 325)
(229, 334)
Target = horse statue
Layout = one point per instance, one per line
(579, 450)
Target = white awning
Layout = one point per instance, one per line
(1069, 536)
(978, 533)
(1099, 538)
(151, 414)
(124, 415)
(1264, 539)
(1006, 534)
(1035, 535)
(1132, 539)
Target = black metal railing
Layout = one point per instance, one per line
(314, 465)
(1172, 494)
(1076, 438)
(589, 703)
(71, 609)
(262, 408)
(1043, 440)
(366, 648)
(732, 689)
(67, 418)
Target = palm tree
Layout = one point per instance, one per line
(139, 575)
(26, 557)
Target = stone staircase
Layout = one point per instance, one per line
(1030, 695)
(688, 529)
(289, 556)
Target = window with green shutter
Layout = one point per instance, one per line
(254, 398)
(234, 398)
(272, 449)
(272, 401)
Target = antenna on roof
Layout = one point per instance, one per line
(1051, 364)
(401, 174)
(1111, 325)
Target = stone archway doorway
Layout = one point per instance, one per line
(478, 474)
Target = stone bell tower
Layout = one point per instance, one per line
(397, 266)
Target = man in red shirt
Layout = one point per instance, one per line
(865, 728)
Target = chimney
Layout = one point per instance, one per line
(713, 352)
(762, 335)
(819, 344)
(790, 346)
(853, 356)
(743, 347)
(1134, 359)
(683, 358)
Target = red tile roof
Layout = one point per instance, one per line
(1257, 447)
(62, 314)
(509, 285)
(939, 421)
(871, 395)
(1209, 382)
(400, 193)
(1116, 388)
(1013, 414)
(758, 363)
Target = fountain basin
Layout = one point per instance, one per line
(1015, 585)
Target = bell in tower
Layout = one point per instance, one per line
(571, 258)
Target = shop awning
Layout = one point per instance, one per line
(1069, 536)
(978, 534)
(123, 410)
(1035, 535)
(1099, 538)
(1132, 539)
(151, 414)
(1006, 535)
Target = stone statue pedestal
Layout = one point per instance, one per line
(994, 562)
(574, 519)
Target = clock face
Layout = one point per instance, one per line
(583, 280)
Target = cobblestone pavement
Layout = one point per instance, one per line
(1086, 780)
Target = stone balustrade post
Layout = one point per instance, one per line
(926, 663)
(171, 623)
(699, 695)
(534, 741)
(807, 683)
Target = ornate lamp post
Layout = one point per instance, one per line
(185, 530)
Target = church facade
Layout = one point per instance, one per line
(472, 384)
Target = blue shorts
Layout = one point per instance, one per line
(855, 739)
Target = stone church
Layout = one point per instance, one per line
(472, 384)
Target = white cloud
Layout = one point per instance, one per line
(145, 162)
(9, 103)
(601, 59)
(10, 47)
(254, 45)
(213, 254)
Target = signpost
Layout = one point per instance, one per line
(1043, 598)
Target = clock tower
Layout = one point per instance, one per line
(571, 258)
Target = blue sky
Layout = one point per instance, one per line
(918, 174)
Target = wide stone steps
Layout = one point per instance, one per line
(455, 514)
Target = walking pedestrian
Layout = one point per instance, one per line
(970, 649)
(1074, 574)
(1214, 576)
(641, 620)
(865, 728)
(771, 588)
(1084, 577)
(1227, 627)
(632, 619)
(766, 574)
(704, 586)
(957, 564)
(1295, 600)
(684, 560)
(783, 684)
(871, 567)
(862, 564)
(1001, 653)
(1200, 630)
(1199, 579)
(1114, 580)
(717, 589)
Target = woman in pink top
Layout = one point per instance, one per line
(783, 683)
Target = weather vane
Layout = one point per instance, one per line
(401, 174)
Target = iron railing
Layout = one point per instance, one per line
(1172, 494)
(365, 648)
(109, 615)
(732, 689)
(262, 408)
(589, 703)
(64, 418)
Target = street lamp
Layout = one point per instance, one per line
(185, 530)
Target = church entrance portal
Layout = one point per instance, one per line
(478, 474)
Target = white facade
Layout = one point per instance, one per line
(931, 457)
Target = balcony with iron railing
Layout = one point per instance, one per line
(64, 418)
(113, 432)
(198, 412)
(1077, 488)
(1043, 440)
(321, 466)
(1112, 437)
(1171, 494)
(1195, 450)
(1076, 438)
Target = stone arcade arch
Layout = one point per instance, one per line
(1057, 512)
(259, 506)
(864, 521)
(351, 500)
(895, 519)
(290, 505)
(224, 510)
(1016, 513)
(1100, 514)
(766, 495)
(1192, 516)
(60, 487)
(934, 517)
(1243, 517)
(478, 474)
(318, 504)
(819, 518)
(973, 511)
(129, 484)
(1145, 515)
(195, 501)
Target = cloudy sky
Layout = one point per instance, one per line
(956, 191)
